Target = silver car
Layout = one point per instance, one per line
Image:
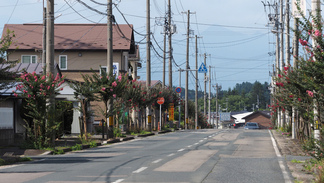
(251, 126)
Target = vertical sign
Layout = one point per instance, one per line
(116, 68)
(171, 112)
(295, 5)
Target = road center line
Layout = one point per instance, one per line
(156, 161)
(140, 170)
(189, 146)
(181, 150)
(170, 154)
(118, 181)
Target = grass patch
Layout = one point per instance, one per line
(296, 161)
(10, 161)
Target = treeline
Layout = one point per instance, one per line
(245, 96)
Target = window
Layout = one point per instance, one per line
(29, 59)
(103, 69)
(63, 62)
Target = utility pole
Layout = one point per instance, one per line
(44, 40)
(164, 50)
(148, 60)
(295, 53)
(180, 70)
(282, 63)
(187, 72)
(170, 44)
(50, 55)
(50, 37)
(217, 114)
(110, 63)
(316, 12)
(205, 83)
(209, 98)
(196, 93)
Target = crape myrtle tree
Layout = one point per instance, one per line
(6, 76)
(110, 87)
(302, 87)
(84, 92)
(36, 91)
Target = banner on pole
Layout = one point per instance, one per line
(171, 112)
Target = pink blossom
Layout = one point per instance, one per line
(57, 77)
(16, 95)
(310, 93)
(303, 42)
(279, 75)
(114, 84)
(29, 95)
(48, 87)
(119, 78)
(286, 68)
(43, 77)
(61, 89)
(41, 85)
(114, 95)
(317, 33)
(111, 90)
(103, 89)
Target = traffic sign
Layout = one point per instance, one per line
(160, 100)
(178, 90)
(202, 68)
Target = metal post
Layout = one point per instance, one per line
(179, 99)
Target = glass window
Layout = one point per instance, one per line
(63, 62)
(29, 59)
(103, 69)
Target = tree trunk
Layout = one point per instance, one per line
(84, 106)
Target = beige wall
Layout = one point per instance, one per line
(87, 61)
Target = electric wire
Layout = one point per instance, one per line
(12, 11)
(79, 13)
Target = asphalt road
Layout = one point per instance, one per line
(204, 156)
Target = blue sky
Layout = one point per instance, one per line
(233, 34)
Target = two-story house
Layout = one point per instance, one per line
(79, 49)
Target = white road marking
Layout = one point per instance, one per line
(189, 146)
(196, 143)
(140, 170)
(156, 161)
(181, 150)
(118, 181)
(205, 138)
(201, 140)
(170, 154)
(282, 166)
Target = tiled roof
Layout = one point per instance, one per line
(71, 36)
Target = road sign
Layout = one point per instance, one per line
(202, 68)
(178, 90)
(160, 100)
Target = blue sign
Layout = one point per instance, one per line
(202, 68)
(178, 90)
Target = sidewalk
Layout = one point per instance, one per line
(290, 150)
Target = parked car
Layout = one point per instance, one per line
(238, 125)
(251, 126)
